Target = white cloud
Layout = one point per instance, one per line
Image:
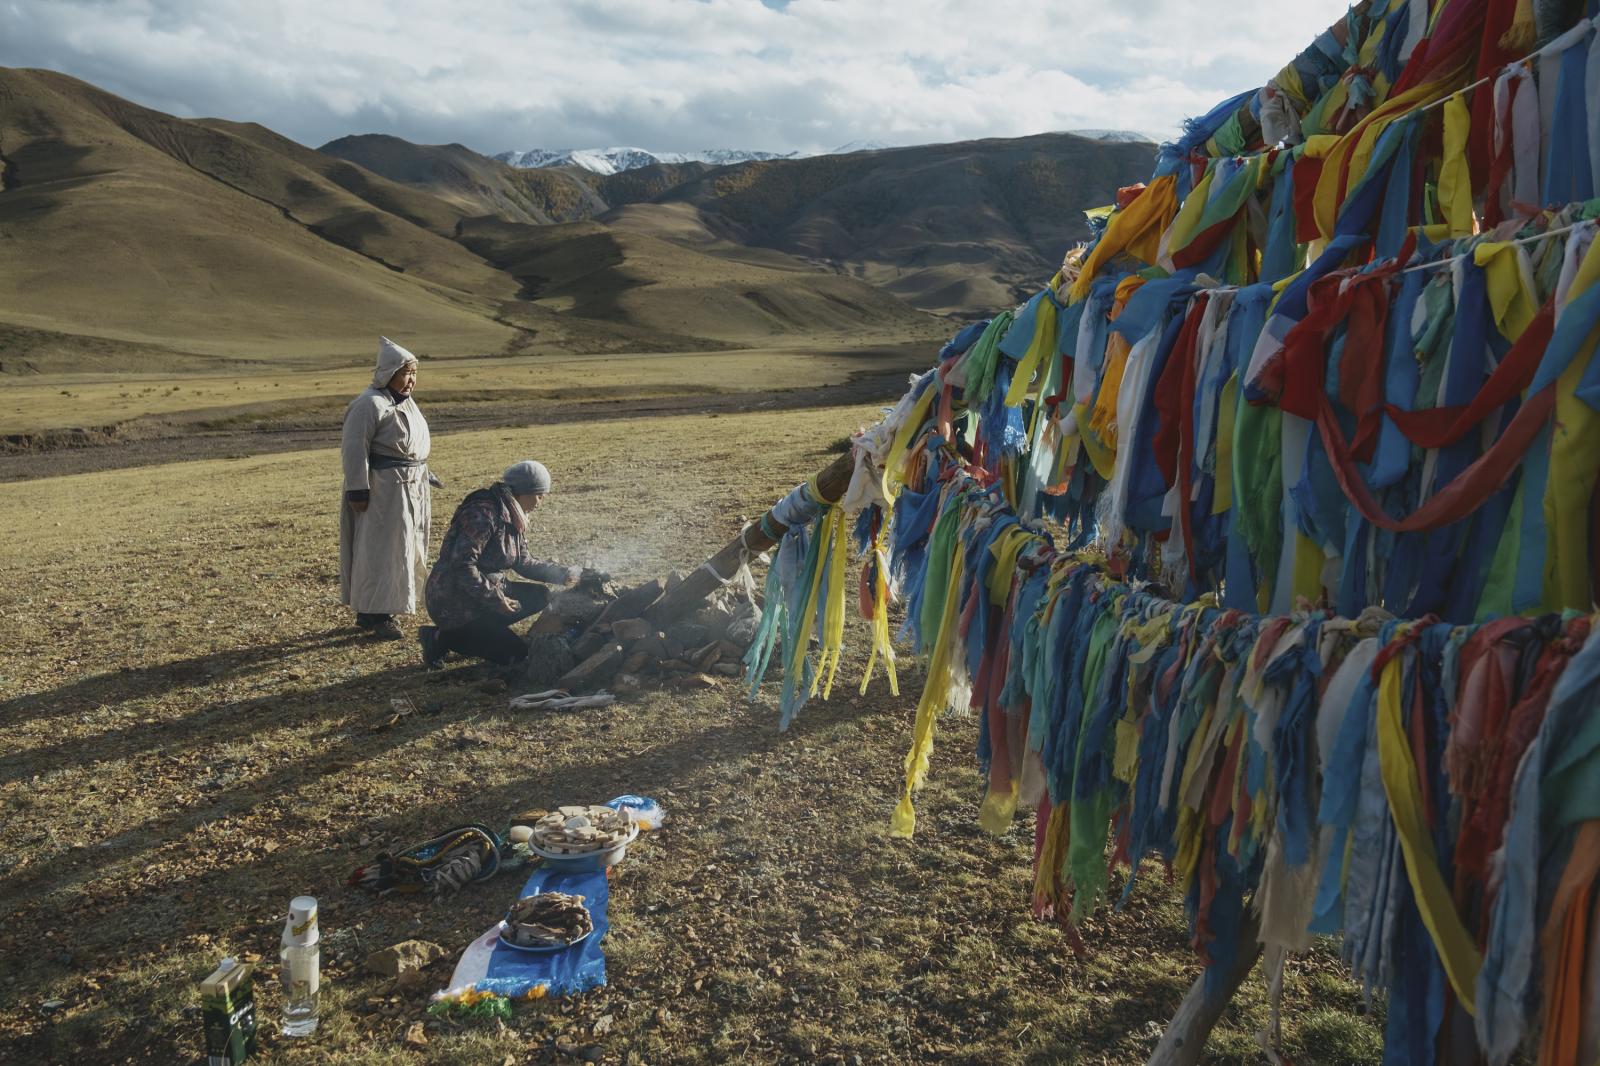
(669, 74)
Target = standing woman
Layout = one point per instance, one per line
(383, 523)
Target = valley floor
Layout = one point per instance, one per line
(54, 424)
(194, 734)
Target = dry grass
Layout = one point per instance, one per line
(193, 735)
(38, 402)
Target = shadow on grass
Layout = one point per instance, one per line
(219, 900)
(110, 690)
(227, 722)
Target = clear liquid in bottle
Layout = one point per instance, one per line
(301, 959)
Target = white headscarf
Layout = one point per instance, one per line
(391, 357)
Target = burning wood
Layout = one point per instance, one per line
(594, 633)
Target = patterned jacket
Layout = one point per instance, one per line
(485, 539)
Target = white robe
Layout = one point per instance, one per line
(383, 551)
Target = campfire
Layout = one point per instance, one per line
(596, 635)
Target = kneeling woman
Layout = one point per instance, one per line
(470, 600)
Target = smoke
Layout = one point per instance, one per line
(629, 560)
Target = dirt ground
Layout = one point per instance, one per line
(194, 734)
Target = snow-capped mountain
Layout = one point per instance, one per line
(861, 146)
(1117, 136)
(724, 157)
(613, 160)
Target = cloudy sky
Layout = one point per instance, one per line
(669, 75)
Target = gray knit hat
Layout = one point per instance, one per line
(527, 478)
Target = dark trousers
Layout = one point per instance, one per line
(491, 636)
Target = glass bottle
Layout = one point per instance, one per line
(301, 957)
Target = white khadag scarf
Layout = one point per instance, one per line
(518, 515)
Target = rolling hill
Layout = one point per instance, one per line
(134, 238)
(474, 184)
(595, 271)
(123, 223)
(952, 229)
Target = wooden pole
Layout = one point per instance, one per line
(1185, 1037)
(1197, 1015)
(693, 590)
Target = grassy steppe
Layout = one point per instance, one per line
(194, 734)
(32, 403)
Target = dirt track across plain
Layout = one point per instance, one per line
(69, 425)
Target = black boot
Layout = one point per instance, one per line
(432, 654)
(380, 626)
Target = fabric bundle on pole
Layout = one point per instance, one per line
(804, 597)
(1264, 540)
(1338, 775)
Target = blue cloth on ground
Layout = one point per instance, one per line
(490, 966)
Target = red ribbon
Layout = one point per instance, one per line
(1298, 372)
(1445, 425)
(1174, 400)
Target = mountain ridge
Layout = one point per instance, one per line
(613, 160)
(956, 229)
(135, 234)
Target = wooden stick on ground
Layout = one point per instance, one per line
(693, 590)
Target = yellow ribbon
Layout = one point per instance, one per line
(1306, 577)
(1101, 457)
(1455, 181)
(997, 810)
(808, 613)
(1136, 229)
(894, 462)
(935, 697)
(1514, 306)
(1042, 345)
(1222, 490)
(1456, 950)
(1005, 550)
(1574, 461)
(1103, 418)
(1523, 32)
(836, 541)
(1151, 636)
(882, 646)
(1187, 220)
(1357, 148)
(1052, 856)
